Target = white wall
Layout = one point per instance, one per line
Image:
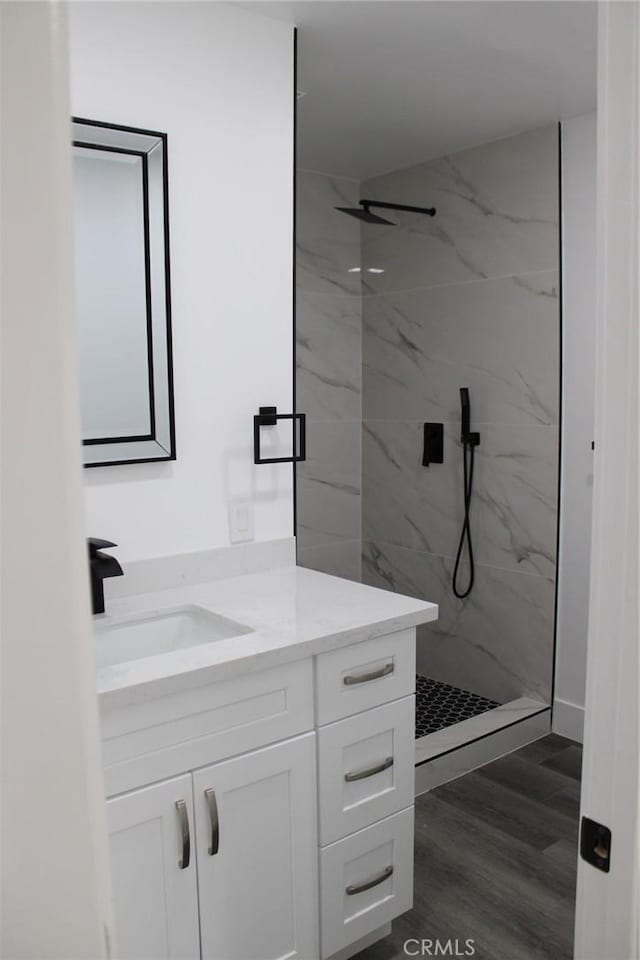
(218, 80)
(579, 318)
(54, 871)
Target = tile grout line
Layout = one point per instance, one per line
(364, 295)
(443, 556)
(328, 176)
(456, 423)
(460, 283)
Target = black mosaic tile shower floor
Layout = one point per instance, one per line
(440, 705)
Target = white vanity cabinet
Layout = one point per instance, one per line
(237, 881)
(365, 710)
(155, 893)
(256, 853)
(267, 816)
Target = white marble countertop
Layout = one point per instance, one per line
(292, 612)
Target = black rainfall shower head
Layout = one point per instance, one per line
(363, 212)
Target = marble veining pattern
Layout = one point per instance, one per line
(497, 216)
(292, 613)
(468, 298)
(497, 643)
(328, 242)
(499, 337)
(329, 376)
(328, 356)
(513, 515)
(328, 484)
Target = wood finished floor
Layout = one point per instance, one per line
(495, 859)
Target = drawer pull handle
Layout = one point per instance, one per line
(183, 817)
(370, 772)
(366, 677)
(212, 804)
(361, 887)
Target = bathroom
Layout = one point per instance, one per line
(392, 319)
(321, 395)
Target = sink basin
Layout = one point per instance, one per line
(150, 635)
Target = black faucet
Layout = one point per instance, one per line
(101, 565)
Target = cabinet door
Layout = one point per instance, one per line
(153, 870)
(257, 854)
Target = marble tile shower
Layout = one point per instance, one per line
(470, 298)
(329, 375)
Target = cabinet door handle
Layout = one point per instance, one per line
(183, 818)
(361, 887)
(366, 677)
(212, 804)
(370, 771)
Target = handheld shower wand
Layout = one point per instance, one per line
(469, 442)
(465, 414)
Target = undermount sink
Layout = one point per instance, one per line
(151, 635)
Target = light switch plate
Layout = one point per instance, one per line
(241, 521)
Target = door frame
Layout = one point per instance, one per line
(55, 870)
(607, 903)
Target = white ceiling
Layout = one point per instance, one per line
(390, 83)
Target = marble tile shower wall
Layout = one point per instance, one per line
(329, 375)
(470, 298)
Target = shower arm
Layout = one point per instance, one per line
(429, 211)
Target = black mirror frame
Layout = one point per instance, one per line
(160, 443)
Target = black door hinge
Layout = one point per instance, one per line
(595, 844)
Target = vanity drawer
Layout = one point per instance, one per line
(364, 675)
(187, 729)
(365, 881)
(366, 768)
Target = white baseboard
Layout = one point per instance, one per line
(568, 720)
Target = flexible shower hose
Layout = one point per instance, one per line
(468, 457)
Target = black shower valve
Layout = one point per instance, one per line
(433, 446)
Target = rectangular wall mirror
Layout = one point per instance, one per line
(122, 293)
